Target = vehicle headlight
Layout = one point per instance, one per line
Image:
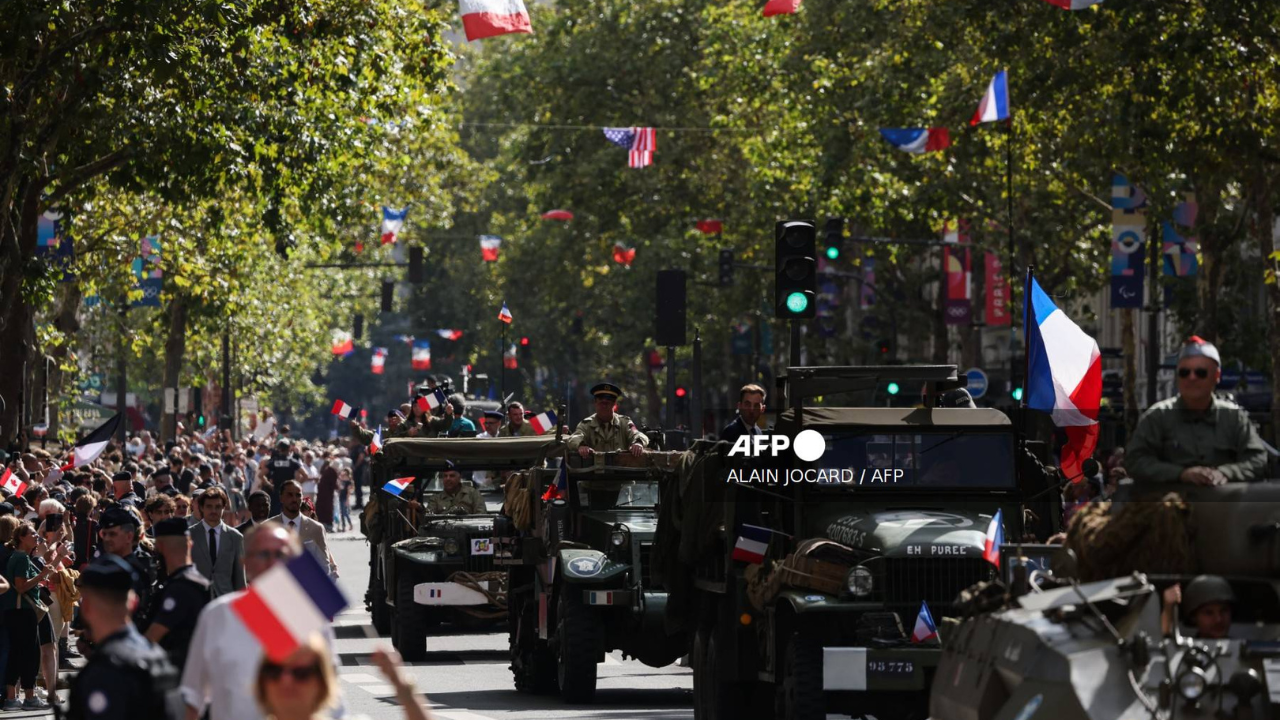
(860, 581)
(620, 536)
(1192, 683)
(451, 546)
(432, 556)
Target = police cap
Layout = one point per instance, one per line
(116, 516)
(172, 527)
(494, 414)
(1203, 590)
(108, 572)
(122, 476)
(162, 472)
(5, 509)
(607, 389)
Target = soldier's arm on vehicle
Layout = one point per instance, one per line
(1250, 450)
(574, 441)
(1142, 454)
(635, 437)
(362, 434)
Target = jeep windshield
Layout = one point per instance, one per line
(954, 459)
(610, 494)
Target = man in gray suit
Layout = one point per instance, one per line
(217, 548)
(309, 531)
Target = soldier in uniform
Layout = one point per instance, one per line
(456, 498)
(180, 596)
(118, 529)
(606, 431)
(516, 425)
(1196, 437)
(127, 677)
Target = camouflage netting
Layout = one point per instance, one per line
(1150, 537)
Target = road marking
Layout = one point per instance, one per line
(359, 678)
(460, 715)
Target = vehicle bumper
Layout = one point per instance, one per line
(874, 669)
(451, 594)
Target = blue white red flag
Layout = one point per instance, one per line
(431, 400)
(288, 603)
(995, 104)
(560, 488)
(448, 334)
(752, 543)
(489, 247)
(917, 140)
(375, 445)
(925, 630)
(504, 314)
(343, 346)
(780, 7)
(344, 411)
(995, 538)
(640, 141)
(421, 358)
(1064, 377)
(407, 339)
(543, 422)
(489, 18)
(392, 223)
(397, 486)
(378, 361)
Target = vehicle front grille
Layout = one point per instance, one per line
(646, 565)
(479, 563)
(937, 581)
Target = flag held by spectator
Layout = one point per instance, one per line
(392, 223)
(710, 227)
(995, 103)
(640, 141)
(489, 246)
(562, 215)
(623, 255)
(780, 7)
(397, 485)
(490, 18)
(543, 422)
(504, 314)
(11, 484)
(995, 538)
(421, 358)
(378, 361)
(752, 543)
(560, 487)
(88, 449)
(431, 400)
(344, 411)
(917, 141)
(925, 630)
(288, 603)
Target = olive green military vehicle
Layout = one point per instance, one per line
(1071, 650)
(579, 581)
(433, 568)
(802, 580)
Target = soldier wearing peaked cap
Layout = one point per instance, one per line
(605, 430)
(1196, 437)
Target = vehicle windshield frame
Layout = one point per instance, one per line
(586, 483)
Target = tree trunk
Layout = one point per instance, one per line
(68, 323)
(1214, 242)
(1264, 225)
(175, 347)
(17, 244)
(1129, 336)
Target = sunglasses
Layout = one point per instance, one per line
(306, 673)
(1201, 373)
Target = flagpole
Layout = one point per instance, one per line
(1012, 249)
(502, 359)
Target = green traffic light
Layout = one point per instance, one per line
(1017, 394)
(797, 302)
(833, 252)
(893, 388)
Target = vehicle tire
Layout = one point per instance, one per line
(533, 666)
(410, 635)
(580, 637)
(713, 699)
(380, 612)
(799, 684)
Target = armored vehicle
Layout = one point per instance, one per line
(1068, 650)
(430, 568)
(804, 581)
(579, 581)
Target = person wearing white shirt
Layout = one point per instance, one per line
(491, 422)
(313, 475)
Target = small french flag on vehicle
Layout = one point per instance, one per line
(435, 593)
(397, 486)
(375, 445)
(925, 630)
(995, 538)
(752, 544)
(288, 603)
(344, 411)
(543, 422)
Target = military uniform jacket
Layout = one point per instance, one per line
(526, 430)
(617, 435)
(178, 601)
(467, 498)
(126, 678)
(1170, 438)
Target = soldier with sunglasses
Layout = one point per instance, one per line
(1196, 437)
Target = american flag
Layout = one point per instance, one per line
(640, 141)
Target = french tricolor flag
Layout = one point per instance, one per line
(392, 223)
(995, 104)
(488, 18)
(543, 422)
(397, 486)
(504, 314)
(752, 543)
(344, 411)
(421, 358)
(1074, 4)
(375, 445)
(559, 488)
(89, 448)
(378, 361)
(431, 401)
(925, 629)
(490, 245)
(995, 538)
(1064, 377)
(288, 603)
(917, 141)
(11, 484)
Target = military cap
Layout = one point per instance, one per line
(395, 412)
(494, 414)
(108, 572)
(172, 527)
(116, 516)
(606, 389)
(122, 476)
(163, 471)
(1196, 346)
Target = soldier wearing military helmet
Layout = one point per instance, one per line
(605, 430)
(1206, 604)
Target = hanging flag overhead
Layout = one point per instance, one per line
(289, 603)
(11, 484)
(89, 448)
(925, 629)
(1073, 4)
(1064, 377)
(448, 334)
(504, 314)
(392, 223)
(421, 359)
(997, 286)
(563, 215)
(378, 361)
(710, 227)
(490, 18)
(509, 358)
(543, 422)
(917, 140)
(1128, 243)
(489, 245)
(780, 7)
(623, 255)
(343, 345)
(995, 538)
(995, 103)
(640, 141)
(344, 411)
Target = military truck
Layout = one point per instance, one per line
(433, 568)
(579, 581)
(802, 580)
(1069, 649)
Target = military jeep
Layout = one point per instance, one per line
(579, 580)
(433, 568)
(802, 581)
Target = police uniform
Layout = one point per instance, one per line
(127, 677)
(467, 498)
(178, 599)
(281, 468)
(615, 435)
(142, 562)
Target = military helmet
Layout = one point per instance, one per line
(1203, 590)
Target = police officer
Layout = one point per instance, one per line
(122, 487)
(180, 596)
(118, 530)
(605, 430)
(281, 468)
(126, 677)
(457, 498)
(1196, 437)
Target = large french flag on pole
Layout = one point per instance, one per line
(88, 449)
(288, 603)
(995, 104)
(488, 18)
(1064, 376)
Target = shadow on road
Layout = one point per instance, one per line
(658, 703)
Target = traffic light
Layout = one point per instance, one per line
(893, 388)
(726, 268)
(358, 330)
(197, 405)
(388, 288)
(415, 265)
(834, 235)
(526, 349)
(682, 400)
(1017, 394)
(682, 391)
(795, 262)
(883, 347)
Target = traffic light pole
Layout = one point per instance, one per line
(795, 344)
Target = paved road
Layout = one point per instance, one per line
(465, 675)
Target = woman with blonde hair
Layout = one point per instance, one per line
(304, 686)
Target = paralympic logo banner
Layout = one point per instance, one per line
(1128, 243)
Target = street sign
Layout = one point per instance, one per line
(977, 382)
